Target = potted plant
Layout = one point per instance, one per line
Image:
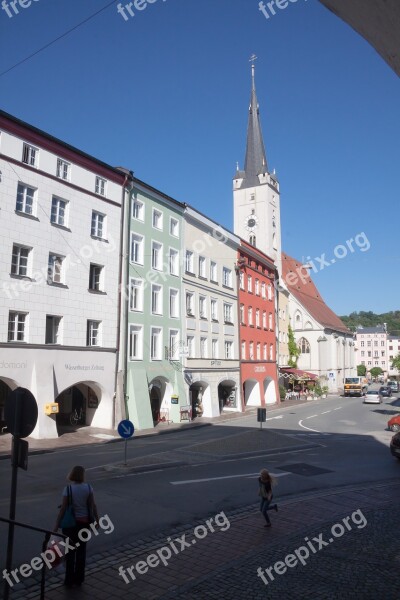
(325, 391)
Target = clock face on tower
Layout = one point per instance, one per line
(251, 222)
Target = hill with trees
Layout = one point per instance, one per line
(370, 319)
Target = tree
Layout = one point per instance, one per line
(376, 371)
(396, 362)
(294, 350)
(361, 370)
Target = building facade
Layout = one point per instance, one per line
(211, 363)
(372, 348)
(257, 327)
(59, 268)
(393, 350)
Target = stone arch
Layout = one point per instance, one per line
(251, 389)
(270, 396)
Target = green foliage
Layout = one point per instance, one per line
(294, 350)
(282, 392)
(396, 362)
(376, 371)
(361, 370)
(370, 319)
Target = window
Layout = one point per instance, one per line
(252, 240)
(376, 354)
(214, 348)
(173, 261)
(369, 343)
(243, 350)
(263, 290)
(95, 277)
(264, 319)
(52, 329)
(93, 333)
(202, 267)
(155, 343)
(138, 210)
(58, 212)
(174, 304)
(257, 317)
(191, 346)
(98, 225)
(63, 169)
(251, 350)
(228, 313)
(241, 312)
(382, 343)
(137, 248)
(189, 261)
(174, 227)
(157, 219)
(16, 327)
(369, 354)
(156, 256)
(258, 351)
(265, 352)
(190, 303)
(304, 346)
(250, 284)
(375, 342)
(241, 280)
(270, 292)
(382, 353)
(214, 309)
(257, 287)
(20, 260)
(270, 324)
(135, 342)
(250, 316)
(362, 344)
(203, 347)
(156, 299)
(271, 352)
(25, 199)
(202, 307)
(55, 269)
(100, 186)
(30, 155)
(227, 277)
(362, 353)
(228, 350)
(213, 272)
(136, 295)
(173, 344)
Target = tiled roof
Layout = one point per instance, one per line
(300, 284)
(376, 329)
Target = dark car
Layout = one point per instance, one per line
(385, 391)
(395, 445)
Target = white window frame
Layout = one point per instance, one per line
(265, 351)
(138, 206)
(228, 313)
(215, 348)
(93, 269)
(203, 347)
(157, 219)
(137, 331)
(190, 304)
(173, 344)
(63, 169)
(17, 326)
(264, 319)
(100, 186)
(30, 155)
(269, 292)
(174, 262)
(136, 294)
(214, 309)
(156, 299)
(243, 346)
(156, 343)
(27, 208)
(250, 315)
(251, 350)
(174, 308)
(257, 287)
(258, 351)
(174, 227)
(191, 344)
(241, 314)
(227, 277)
(249, 284)
(137, 241)
(271, 352)
(202, 267)
(93, 333)
(55, 330)
(228, 347)
(213, 272)
(156, 255)
(257, 317)
(270, 322)
(241, 280)
(55, 270)
(59, 211)
(189, 262)
(98, 225)
(21, 265)
(263, 290)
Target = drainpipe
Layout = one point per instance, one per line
(120, 362)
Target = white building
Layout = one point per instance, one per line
(212, 366)
(60, 225)
(393, 350)
(372, 348)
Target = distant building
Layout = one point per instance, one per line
(393, 350)
(372, 348)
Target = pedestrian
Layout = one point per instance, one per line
(266, 483)
(79, 495)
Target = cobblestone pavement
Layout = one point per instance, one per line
(355, 562)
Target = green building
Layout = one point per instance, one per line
(154, 385)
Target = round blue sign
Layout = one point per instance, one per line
(126, 429)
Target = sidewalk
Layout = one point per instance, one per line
(360, 563)
(93, 435)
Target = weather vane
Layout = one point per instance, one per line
(253, 58)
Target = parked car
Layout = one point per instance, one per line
(372, 397)
(385, 391)
(394, 386)
(395, 445)
(394, 423)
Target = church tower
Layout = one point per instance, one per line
(256, 198)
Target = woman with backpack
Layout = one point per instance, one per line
(266, 483)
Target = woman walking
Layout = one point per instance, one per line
(79, 496)
(266, 483)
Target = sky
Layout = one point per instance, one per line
(166, 93)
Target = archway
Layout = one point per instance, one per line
(6, 386)
(160, 392)
(227, 394)
(77, 406)
(252, 395)
(200, 399)
(270, 396)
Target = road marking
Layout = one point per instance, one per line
(326, 412)
(271, 418)
(224, 477)
(338, 408)
(309, 428)
(312, 417)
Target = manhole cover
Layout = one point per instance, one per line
(304, 469)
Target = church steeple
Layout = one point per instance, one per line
(256, 159)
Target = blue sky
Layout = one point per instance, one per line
(166, 94)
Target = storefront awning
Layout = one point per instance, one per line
(297, 374)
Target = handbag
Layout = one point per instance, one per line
(58, 550)
(68, 521)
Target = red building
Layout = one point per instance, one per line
(257, 326)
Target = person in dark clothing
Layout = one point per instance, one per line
(85, 511)
(266, 483)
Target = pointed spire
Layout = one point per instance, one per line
(256, 160)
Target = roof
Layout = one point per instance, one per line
(300, 284)
(298, 373)
(376, 329)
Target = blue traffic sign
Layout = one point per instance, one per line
(126, 429)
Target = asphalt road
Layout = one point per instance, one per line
(350, 446)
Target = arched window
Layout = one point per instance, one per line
(252, 240)
(304, 346)
(274, 242)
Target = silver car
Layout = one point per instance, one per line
(372, 397)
